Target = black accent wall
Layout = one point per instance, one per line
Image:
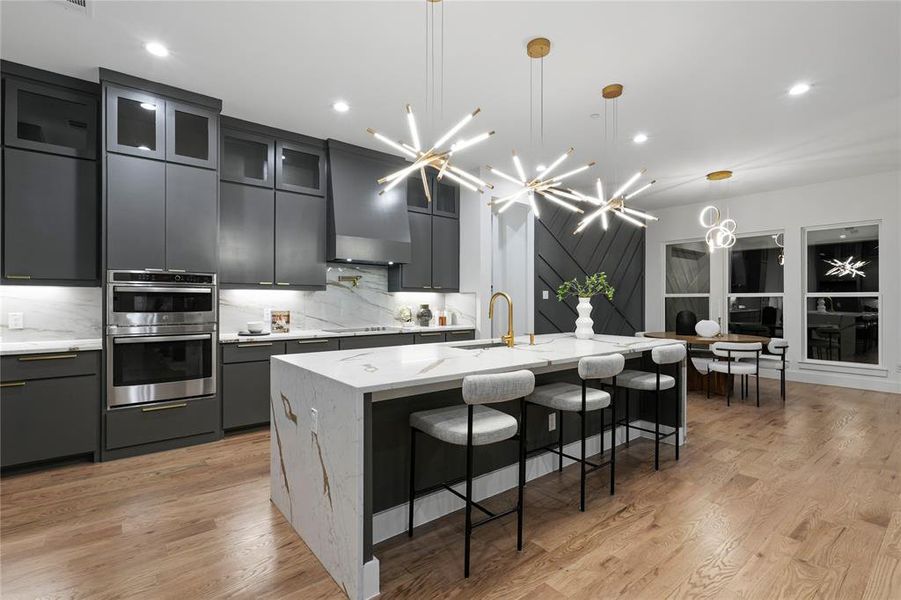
(560, 255)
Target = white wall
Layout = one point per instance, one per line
(871, 198)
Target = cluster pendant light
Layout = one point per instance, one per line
(438, 156)
(720, 232)
(616, 203)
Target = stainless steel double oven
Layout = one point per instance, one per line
(161, 336)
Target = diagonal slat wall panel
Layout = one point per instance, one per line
(560, 255)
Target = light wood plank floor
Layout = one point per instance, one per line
(798, 502)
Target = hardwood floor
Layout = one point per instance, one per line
(794, 502)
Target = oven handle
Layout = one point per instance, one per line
(179, 290)
(162, 338)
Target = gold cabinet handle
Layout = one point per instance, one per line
(282, 283)
(167, 407)
(312, 341)
(265, 283)
(46, 357)
(257, 345)
(464, 332)
(13, 384)
(429, 334)
(18, 276)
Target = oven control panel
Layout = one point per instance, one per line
(158, 277)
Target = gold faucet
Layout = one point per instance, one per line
(508, 339)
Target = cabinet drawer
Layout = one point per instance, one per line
(245, 394)
(250, 351)
(317, 345)
(49, 418)
(461, 335)
(42, 366)
(159, 422)
(431, 337)
(376, 341)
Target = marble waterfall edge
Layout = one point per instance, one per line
(341, 304)
(316, 476)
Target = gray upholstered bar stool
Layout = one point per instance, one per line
(569, 397)
(473, 424)
(632, 379)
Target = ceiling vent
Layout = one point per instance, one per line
(82, 7)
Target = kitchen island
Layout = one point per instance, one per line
(322, 474)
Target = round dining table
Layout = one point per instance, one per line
(696, 380)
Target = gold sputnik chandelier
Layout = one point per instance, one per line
(435, 157)
(438, 156)
(616, 203)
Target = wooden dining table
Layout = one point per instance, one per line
(696, 380)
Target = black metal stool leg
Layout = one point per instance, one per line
(522, 472)
(657, 423)
(582, 416)
(468, 532)
(613, 438)
(628, 436)
(560, 440)
(412, 479)
(678, 390)
(602, 430)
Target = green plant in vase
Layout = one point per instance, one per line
(585, 290)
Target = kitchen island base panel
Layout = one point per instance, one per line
(317, 470)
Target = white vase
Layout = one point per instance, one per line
(584, 324)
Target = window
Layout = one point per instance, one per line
(842, 299)
(687, 281)
(756, 286)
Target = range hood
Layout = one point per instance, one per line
(363, 226)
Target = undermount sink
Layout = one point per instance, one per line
(483, 346)
(361, 329)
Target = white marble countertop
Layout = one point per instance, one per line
(379, 369)
(49, 347)
(302, 334)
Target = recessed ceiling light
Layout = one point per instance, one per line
(341, 106)
(799, 89)
(640, 138)
(843, 236)
(540, 168)
(349, 259)
(148, 106)
(156, 49)
(595, 115)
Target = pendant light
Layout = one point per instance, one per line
(720, 232)
(545, 184)
(616, 203)
(437, 156)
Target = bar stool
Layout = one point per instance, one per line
(656, 382)
(734, 352)
(569, 397)
(474, 424)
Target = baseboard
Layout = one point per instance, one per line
(872, 383)
(393, 521)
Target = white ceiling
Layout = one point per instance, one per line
(707, 81)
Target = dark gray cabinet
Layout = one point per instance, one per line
(136, 213)
(49, 407)
(375, 341)
(191, 219)
(161, 423)
(50, 119)
(246, 234)
(445, 254)
(435, 251)
(445, 196)
(429, 337)
(460, 335)
(316, 345)
(300, 239)
(245, 394)
(51, 218)
(247, 158)
(300, 168)
(192, 135)
(135, 123)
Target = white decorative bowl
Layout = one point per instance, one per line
(255, 326)
(707, 329)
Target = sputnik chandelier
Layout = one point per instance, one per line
(545, 184)
(434, 157)
(615, 204)
(843, 268)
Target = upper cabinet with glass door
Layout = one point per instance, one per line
(135, 123)
(247, 158)
(300, 168)
(50, 119)
(446, 198)
(192, 135)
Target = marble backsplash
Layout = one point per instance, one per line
(51, 313)
(341, 304)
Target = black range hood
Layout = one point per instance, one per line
(363, 226)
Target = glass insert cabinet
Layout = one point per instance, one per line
(144, 125)
(445, 196)
(264, 161)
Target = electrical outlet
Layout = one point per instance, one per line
(314, 421)
(544, 294)
(16, 320)
(552, 422)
